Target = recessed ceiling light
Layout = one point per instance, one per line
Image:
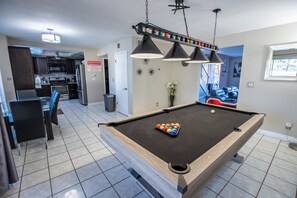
(50, 37)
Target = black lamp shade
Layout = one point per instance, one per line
(214, 58)
(177, 53)
(146, 49)
(197, 56)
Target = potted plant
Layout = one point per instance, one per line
(172, 89)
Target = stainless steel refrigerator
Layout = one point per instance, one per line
(81, 84)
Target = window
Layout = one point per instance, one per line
(282, 63)
(2, 95)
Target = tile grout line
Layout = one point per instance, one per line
(71, 159)
(20, 188)
(268, 171)
(99, 166)
(94, 162)
(237, 170)
(49, 172)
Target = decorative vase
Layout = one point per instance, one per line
(171, 97)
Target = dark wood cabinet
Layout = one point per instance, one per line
(72, 89)
(70, 66)
(40, 65)
(22, 68)
(44, 91)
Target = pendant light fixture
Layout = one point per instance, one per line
(198, 57)
(50, 37)
(213, 56)
(146, 49)
(177, 53)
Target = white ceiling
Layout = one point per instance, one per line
(95, 23)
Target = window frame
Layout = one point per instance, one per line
(269, 63)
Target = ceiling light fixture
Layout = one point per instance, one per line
(146, 49)
(198, 57)
(50, 37)
(177, 53)
(213, 56)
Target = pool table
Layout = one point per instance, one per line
(178, 166)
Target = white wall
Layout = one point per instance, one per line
(95, 81)
(275, 98)
(6, 69)
(109, 52)
(146, 90)
(151, 89)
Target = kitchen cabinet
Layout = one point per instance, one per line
(70, 66)
(22, 67)
(72, 89)
(45, 91)
(40, 65)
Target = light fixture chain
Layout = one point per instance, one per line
(185, 19)
(146, 11)
(215, 29)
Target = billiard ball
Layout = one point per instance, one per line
(212, 111)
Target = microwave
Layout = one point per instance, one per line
(56, 68)
(55, 65)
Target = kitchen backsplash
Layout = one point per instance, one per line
(45, 77)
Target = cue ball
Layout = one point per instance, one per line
(212, 111)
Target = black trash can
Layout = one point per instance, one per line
(109, 101)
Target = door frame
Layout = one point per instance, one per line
(105, 60)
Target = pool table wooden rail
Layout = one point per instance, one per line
(156, 172)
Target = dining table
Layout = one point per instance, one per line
(8, 119)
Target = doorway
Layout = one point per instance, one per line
(121, 81)
(225, 77)
(106, 74)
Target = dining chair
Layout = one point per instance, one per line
(28, 121)
(26, 94)
(54, 106)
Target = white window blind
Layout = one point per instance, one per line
(2, 94)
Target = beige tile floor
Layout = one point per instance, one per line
(79, 164)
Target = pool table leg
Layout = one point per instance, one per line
(238, 158)
(148, 188)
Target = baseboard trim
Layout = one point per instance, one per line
(95, 103)
(277, 135)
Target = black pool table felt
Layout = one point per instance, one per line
(200, 130)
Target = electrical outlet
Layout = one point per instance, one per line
(289, 125)
(157, 104)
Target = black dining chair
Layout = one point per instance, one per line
(53, 106)
(28, 121)
(26, 94)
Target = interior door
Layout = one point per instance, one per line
(121, 81)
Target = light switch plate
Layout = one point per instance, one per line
(250, 84)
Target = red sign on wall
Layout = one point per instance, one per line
(94, 65)
(94, 62)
